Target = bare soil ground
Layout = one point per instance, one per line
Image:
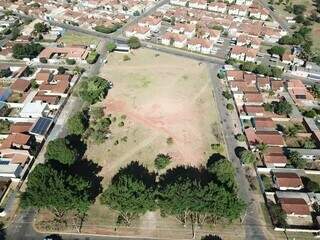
(160, 98)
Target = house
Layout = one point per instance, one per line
(238, 10)
(34, 110)
(189, 30)
(271, 138)
(258, 13)
(199, 4)
(263, 83)
(153, 23)
(254, 110)
(177, 40)
(287, 181)
(264, 123)
(20, 127)
(142, 33)
(287, 58)
(44, 76)
(182, 3)
(219, 7)
(298, 92)
(235, 75)
(200, 45)
(248, 41)
(294, 206)
(76, 53)
(18, 141)
(238, 53)
(253, 98)
(275, 158)
(277, 86)
(20, 85)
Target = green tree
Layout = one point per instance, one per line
(5, 72)
(227, 94)
(262, 147)
(263, 70)
(230, 106)
(96, 113)
(299, 9)
(15, 32)
(58, 191)
(278, 215)
(30, 50)
(248, 66)
(224, 172)
(131, 192)
(77, 124)
(70, 61)
(111, 46)
(309, 144)
(310, 113)
(276, 72)
(60, 150)
(61, 70)
(134, 42)
(40, 27)
(316, 90)
(291, 131)
(94, 89)
(240, 137)
(278, 50)
(162, 161)
(283, 108)
(4, 126)
(248, 157)
(296, 160)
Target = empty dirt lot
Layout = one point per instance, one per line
(166, 105)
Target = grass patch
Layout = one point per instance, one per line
(92, 57)
(71, 38)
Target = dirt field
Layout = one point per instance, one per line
(160, 97)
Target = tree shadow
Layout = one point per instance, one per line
(3, 234)
(89, 170)
(75, 142)
(181, 173)
(238, 151)
(211, 237)
(138, 172)
(214, 158)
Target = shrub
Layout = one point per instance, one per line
(162, 161)
(126, 58)
(92, 57)
(134, 42)
(230, 107)
(111, 46)
(70, 61)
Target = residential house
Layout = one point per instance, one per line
(254, 110)
(55, 53)
(20, 85)
(294, 207)
(182, 3)
(140, 32)
(200, 45)
(199, 4)
(287, 180)
(177, 40)
(263, 83)
(153, 23)
(219, 7)
(275, 158)
(299, 93)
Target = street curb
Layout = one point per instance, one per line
(101, 235)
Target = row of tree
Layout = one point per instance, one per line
(194, 196)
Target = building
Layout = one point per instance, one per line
(294, 206)
(34, 110)
(287, 181)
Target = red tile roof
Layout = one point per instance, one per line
(296, 206)
(288, 179)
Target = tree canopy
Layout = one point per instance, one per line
(282, 108)
(94, 89)
(278, 50)
(134, 42)
(56, 191)
(40, 27)
(131, 193)
(60, 151)
(162, 161)
(247, 157)
(77, 124)
(296, 160)
(30, 50)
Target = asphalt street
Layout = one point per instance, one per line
(228, 123)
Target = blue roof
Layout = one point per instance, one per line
(41, 126)
(5, 94)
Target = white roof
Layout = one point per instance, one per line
(33, 108)
(8, 168)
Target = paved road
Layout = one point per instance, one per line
(252, 225)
